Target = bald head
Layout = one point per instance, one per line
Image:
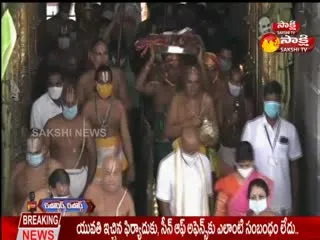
(112, 181)
(190, 140)
(99, 53)
(112, 165)
(35, 144)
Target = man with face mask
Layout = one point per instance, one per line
(86, 87)
(49, 104)
(32, 174)
(225, 62)
(277, 148)
(49, 30)
(109, 196)
(109, 118)
(233, 110)
(184, 186)
(71, 142)
(232, 190)
(58, 187)
(65, 55)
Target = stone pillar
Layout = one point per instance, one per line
(253, 60)
(307, 105)
(16, 89)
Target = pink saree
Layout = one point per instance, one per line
(238, 204)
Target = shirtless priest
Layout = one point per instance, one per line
(109, 197)
(74, 147)
(108, 117)
(32, 174)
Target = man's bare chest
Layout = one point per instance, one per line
(28, 181)
(164, 95)
(104, 115)
(188, 108)
(111, 207)
(62, 129)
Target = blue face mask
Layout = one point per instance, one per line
(70, 113)
(35, 159)
(272, 109)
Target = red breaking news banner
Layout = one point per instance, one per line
(47, 226)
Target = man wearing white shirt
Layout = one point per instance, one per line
(277, 148)
(184, 186)
(48, 105)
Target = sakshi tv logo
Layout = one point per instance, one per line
(284, 38)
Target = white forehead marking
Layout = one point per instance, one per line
(33, 144)
(105, 76)
(113, 167)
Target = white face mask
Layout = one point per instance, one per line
(55, 92)
(234, 89)
(258, 206)
(64, 42)
(245, 172)
(190, 158)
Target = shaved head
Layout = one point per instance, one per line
(190, 140)
(35, 144)
(111, 165)
(112, 174)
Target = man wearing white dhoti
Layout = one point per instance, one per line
(69, 139)
(184, 186)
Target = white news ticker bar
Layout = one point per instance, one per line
(38, 231)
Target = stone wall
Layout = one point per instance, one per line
(306, 105)
(16, 92)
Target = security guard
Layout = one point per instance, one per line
(277, 148)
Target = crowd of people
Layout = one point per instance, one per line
(212, 155)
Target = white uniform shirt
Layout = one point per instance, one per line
(193, 185)
(42, 110)
(274, 163)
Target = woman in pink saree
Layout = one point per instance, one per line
(232, 190)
